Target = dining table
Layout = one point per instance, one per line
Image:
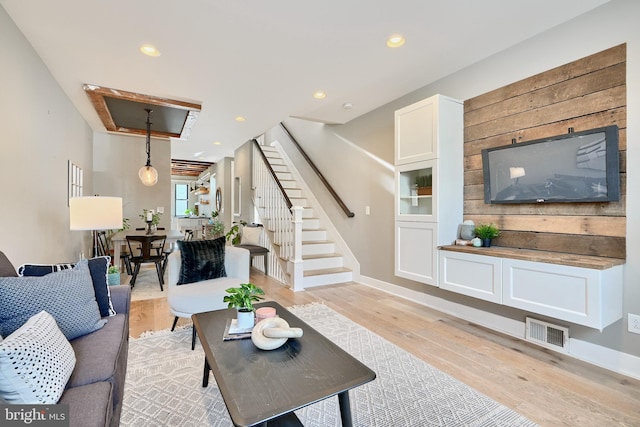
(120, 238)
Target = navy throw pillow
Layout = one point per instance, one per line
(97, 267)
(201, 260)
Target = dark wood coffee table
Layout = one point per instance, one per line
(265, 387)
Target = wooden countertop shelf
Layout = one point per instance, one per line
(584, 261)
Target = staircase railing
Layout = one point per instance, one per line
(333, 193)
(277, 213)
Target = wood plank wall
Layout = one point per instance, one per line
(584, 94)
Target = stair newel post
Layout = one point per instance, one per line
(295, 262)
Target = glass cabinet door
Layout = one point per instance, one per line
(415, 192)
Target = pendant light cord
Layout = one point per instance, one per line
(149, 111)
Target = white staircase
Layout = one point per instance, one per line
(321, 264)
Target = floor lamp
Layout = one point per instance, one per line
(95, 213)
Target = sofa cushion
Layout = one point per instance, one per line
(97, 353)
(35, 362)
(6, 268)
(98, 267)
(89, 405)
(67, 295)
(201, 260)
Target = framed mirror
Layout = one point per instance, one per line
(218, 199)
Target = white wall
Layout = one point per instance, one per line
(365, 145)
(41, 132)
(117, 159)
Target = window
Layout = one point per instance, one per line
(182, 198)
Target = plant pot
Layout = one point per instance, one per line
(246, 319)
(486, 243)
(113, 279)
(425, 191)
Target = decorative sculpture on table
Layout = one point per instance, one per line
(272, 333)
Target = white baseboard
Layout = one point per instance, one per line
(613, 360)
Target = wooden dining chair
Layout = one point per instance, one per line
(145, 242)
(105, 249)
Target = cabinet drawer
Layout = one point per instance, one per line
(473, 275)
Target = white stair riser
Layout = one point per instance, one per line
(289, 184)
(324, 262)
(283, 175)
(310, 223)
(294, 193)
(295, 201)
(327, 279)
(318, 248)
(313, 235)
(275, 161)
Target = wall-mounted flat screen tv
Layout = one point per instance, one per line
(575, 167)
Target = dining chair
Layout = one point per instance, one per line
(145, 242)
(105, 249)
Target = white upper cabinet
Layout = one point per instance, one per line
(424, 129)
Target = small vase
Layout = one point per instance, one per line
(246, 319)
(486, 243)
(113, 279)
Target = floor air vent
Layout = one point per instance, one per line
(548, 335)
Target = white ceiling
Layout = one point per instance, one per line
(263, 59)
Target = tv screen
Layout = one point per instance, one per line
(575, 167)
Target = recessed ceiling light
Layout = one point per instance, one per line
(198, 154)
(217, 143)
(149, 50)
(319, 94)
(395, 40)
(240, 119)
(347, 105)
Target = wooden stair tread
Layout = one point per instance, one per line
(327, 271)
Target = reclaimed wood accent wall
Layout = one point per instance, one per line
(584, 94)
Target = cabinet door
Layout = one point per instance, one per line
(580, 295)
(477, 276)
(416, 251)
(417, 191)
(415, 132)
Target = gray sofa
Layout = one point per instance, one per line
(95, 389)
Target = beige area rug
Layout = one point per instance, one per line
(164, 385)
(147, 285)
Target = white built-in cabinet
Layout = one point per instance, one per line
(428, 142)
(586, 296)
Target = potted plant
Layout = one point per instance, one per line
(215, 228)
(486, 232)
(113, 275)
(234, 232)
(424, 184)
(242, 299)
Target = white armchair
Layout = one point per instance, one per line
(185, 300)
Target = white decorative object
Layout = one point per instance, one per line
(271, 333)
(246, 319)
(467, 230)
(477, 242)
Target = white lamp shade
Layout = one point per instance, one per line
(95, 213)
(516, 172)
(148, 175)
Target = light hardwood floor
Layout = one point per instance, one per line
(548, 388)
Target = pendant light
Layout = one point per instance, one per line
(148, 174)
